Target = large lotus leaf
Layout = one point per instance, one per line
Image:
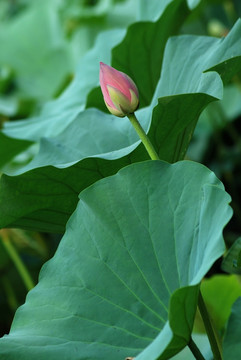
(186, 72)
(125, 278)
(173, 123)
(232, 344)
(141, 52)
(103, 137)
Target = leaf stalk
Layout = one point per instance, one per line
(195, 350)
(16, 259)
(144, 138)
(213, 337)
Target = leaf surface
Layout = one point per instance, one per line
(11, 147)
(124, 280)
(96, 141)
(141, 56)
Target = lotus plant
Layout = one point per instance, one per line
(122, 99)
(119, 90)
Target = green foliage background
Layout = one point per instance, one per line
(57, 141)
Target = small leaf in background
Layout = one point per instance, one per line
(232, 261)
(219, 293)
(232, 344)
(124, 280)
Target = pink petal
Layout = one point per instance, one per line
(117, 79)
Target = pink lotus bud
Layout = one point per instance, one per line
(120, 92)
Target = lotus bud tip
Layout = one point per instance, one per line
(119, 91)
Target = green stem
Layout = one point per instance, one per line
(211, 333)
(16, 259)
(195, 350)
(10, 294)
(144, 138)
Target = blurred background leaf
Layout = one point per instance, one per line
(232, 345)
(34, 51)
(219, 292)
